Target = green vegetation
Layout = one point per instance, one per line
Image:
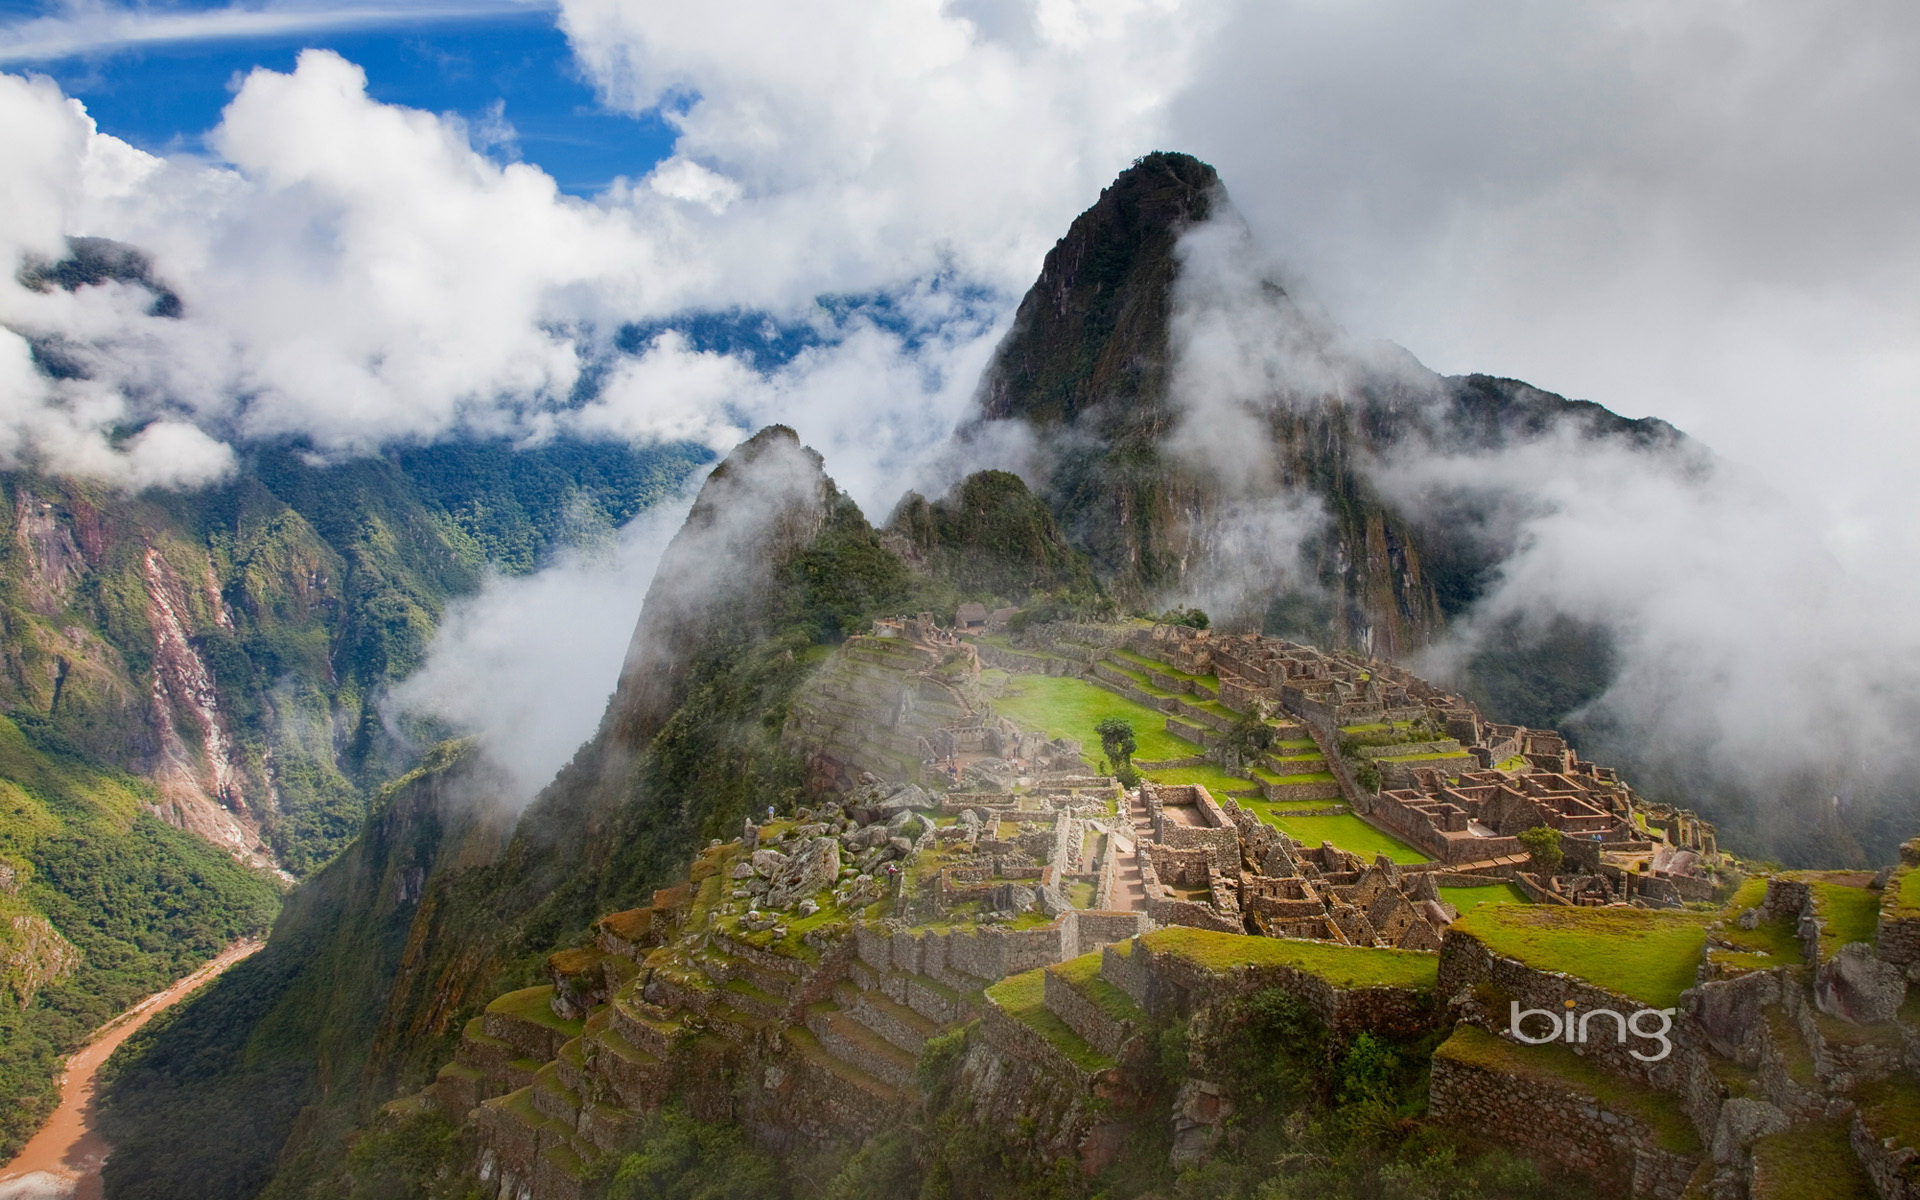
(1558, 1065)
(1062, 706)
(680, 1158)
(141, 902)
(1814, 1162)
(1192, 618)
(1342, 966)
(1851, 913)
(1905, 885)
(991, 538)
(1218, 782)
(1891, 1109)
(1084, 974)
(1543, 848)
(1023, 997)
(1118, 742)
(1465, 898)
(1644, 954)
(1345, 831)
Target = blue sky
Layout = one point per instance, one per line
(166, 95)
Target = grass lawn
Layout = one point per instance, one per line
(1061, 706)
(1906, 885)
(1811, 1163)
(1649, 955)
(532, 1004)
(1342, 966)
(1084, 974)
(1209, 776)
(1348, 832)
(1556, 1064)
(1852, 915)
(1464, 898)
(1023, 997)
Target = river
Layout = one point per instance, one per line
(62, 1162)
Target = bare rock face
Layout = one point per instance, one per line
(813, 868)
(768, 863)
(1856, 986)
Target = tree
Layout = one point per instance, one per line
(1543, 845)
(1116, 738)
(1192, 618)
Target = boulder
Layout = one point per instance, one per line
(767, 863)
(1741, 1121)
(1012, 897)
(1855, 985)
(740, 870)
(812, 869)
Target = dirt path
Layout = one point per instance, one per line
(62, 1162)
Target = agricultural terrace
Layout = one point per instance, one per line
(1465, 898)
(1344, 830)
(1065, 707)
(1341, 966)
(1649, 955)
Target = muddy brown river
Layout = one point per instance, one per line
(62, 1162)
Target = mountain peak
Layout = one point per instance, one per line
(1093, 327)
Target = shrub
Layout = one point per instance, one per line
(1543, 847)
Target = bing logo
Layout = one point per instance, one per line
(1573, 1028)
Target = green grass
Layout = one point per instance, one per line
(1644, 954)
(1348, 832)
(1812, 1163)
(1751, 892)
(1556, 1064)
(532, 1005)
(1342, 966)
(1023, 997)
(1905, 886)
(1061, 706)
(1084, 974)
(1852, 914)
(1208, 776)
(1211, 681)
(1891, 1109)
(1464, 898)
(1434, 755)
(1768, 944)
(1517, 763)
(1289, 745)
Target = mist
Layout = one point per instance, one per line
(526, 664)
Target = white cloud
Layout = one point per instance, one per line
(91, 27)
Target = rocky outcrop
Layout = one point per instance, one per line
(32, 955)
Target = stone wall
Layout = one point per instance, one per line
(1573, 1128)
(1101, 1030)
(1898, 941)
(1167, 983)
(1468, 967)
